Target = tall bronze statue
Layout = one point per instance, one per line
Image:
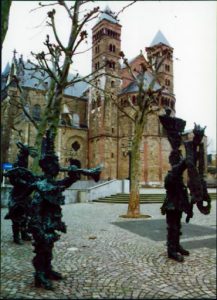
(177, 199)
(46, 212)
(19, 207)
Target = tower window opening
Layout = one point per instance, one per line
(97, 49)
(167, 68)
(167, 82)
(112, 48)
(111, 64)
(97, 66)
(112, 83)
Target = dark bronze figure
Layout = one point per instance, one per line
(46, 212)
(177, 199)
(19, 207)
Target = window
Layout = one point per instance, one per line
(111, 64)
(112, 48)
(76, 146)
(112, 84)
(167, 68)
(97, 49)
(167, 82)
(134, 99)
(75, 120)
(36, 112)
(97, 66)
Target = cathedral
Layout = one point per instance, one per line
(93, 129)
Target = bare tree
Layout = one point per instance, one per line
(55, 63)
(138, 113)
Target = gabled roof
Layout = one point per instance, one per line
(130, 61)
(159, 39)
(133, 87)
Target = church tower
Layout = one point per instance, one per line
(103, 133)
(159, 47)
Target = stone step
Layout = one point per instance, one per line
(144, 198)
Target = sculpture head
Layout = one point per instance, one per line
(174, 127)
(24, 152)
(49, 161)
(198, 132)
(50, 165)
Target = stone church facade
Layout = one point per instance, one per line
(91, 128)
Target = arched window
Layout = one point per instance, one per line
(75, 120)
(76, 146)
(134, 99)
(167, 68)
(112, 83)
(111, 64)
(36, 112)
(110, 47)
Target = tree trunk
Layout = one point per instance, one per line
(134, 202)
(5, 10)
(50, 117)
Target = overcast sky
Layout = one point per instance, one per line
(189, 26)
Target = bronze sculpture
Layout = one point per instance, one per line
(177, 199)
(46, 212)
(19, 207)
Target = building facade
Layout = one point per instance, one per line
(92, 129)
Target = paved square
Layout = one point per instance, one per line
(103, 256)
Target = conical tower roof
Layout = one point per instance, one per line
(159, 39)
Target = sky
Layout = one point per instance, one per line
(189, 27)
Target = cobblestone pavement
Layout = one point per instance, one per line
(104, 256)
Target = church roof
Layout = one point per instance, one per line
(30, 79)
(133, 87)
(108, 15)
(159, 39)
(6, 70)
